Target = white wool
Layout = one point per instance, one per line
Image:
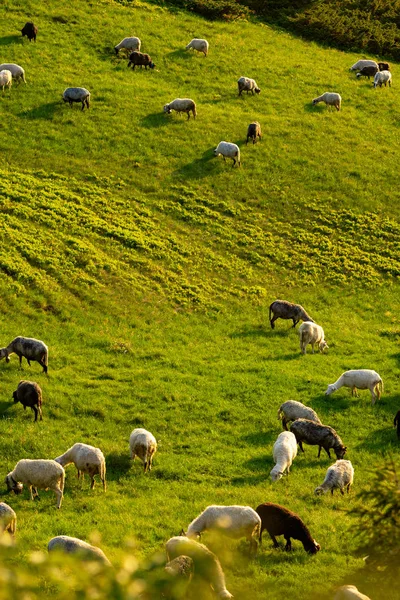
(181, 105)
(292, 410)
(349, 592)
(73, 545)
(8, 519)
(285, 450)
(228, 150)
(199, 45)
(382, 77)
(360, 64)
(330, 99)
(143, 444)
(248, 85)
(17, 72)
(311, 333)
(42, 474)
(361, 379)
(5, 79)
(87, 459)
(340, 475)
(129, 43)
(233, 521)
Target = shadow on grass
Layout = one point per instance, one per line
(4, 406)
(45, 111)
(251, 331)
(260, 438)
(158, 119)
(380, 441)
(117, 465)
(180, 53)
(199, 167)
(7, 40)
(317, 108)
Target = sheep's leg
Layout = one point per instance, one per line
(273, 538)
(288, 546)
(301, 446)
(341, 491)
(30, 489)
(319, 451)
(331, 491)
(40, 413)
(253, 545)
(260, 535)
(312, 346)
(92, 482)
(348, 488)
(284, 423)
(295, 321)
(59, 494)
(234, 162)
(272, 321)
(29, 362)
(35, 410)
(20, 360)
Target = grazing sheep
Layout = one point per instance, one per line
(233, 521)
(384, 66)
(143, 444)
(71, 545)
(367, 72)
(199, 45)
(29, 348)
(30, 30)
(383, 77)
(206, 564)
(349, 592)
(361, 379)
(245, 84)
(181, 566)
(315, 434)
(281, 309)
(311, 333)
(42, 474)
(8, 519)
(360, 64)
(285, 450)
(278, 520)
(330, 99)
(181, 105)
(396, 422)
(129, 43)
(228, 150)
(86, 459)
(340, 475)
(18, 73)
(292, 410)
(253, 131)
(77, 94)
(138, 59)
(29, 394)
(5, 79)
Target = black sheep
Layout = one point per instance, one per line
(278, 520)
(29, 394)
(140, 59)
(397, 423)
(30, 30)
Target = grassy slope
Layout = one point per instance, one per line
(149, 223)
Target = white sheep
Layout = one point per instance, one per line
(292, 410)
(228, 150)
(181, 105)
(5, 79)
(129, 44)
(330, 99)
(383, 77)
(42, 474)
(311, 333)
(339, 476)
(143, 444)
(285, 450)
(245, 84)
(199, 45)
(349, 592)
(205, 562)
(71, 545)
(87, 459)
(359, 379)
(8, 519)
(18, 73)
(360, 64)
(233, 521)
(29, 348)
(77, 94)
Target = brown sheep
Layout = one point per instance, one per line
(384, 66)
(30, 30)
(278, 520)
(29, 394)
(253, 131)
(281, 309)
(315, 434)
(140, 59)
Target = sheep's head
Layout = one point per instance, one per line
(315, 101)
(340, 452)
(3, 353)
(257, 90)
(330, 390)
(314, 548)
(323, 346)
(13, 485)
(15, 397)
(276, 475)
(152, 65)
(167, 109)
(216, 153)
(358, 75)
(318, 491)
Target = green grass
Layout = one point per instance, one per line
(148, 266)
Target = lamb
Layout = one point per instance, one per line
(18, 73)
(228, 150)
(29, 394)
(138, 59)
(8, 519)
(206, 564)
(29, 348)
(181, 105)
(278, 520)
(361, 379)
(199, 45)
(396, 422)
(30, 30)
(143, 444)
(129, 43)
(292, 410)
(330, 99)
(383, 77)
(282, 309)
(77, 94)
(248, 85)
(86, 459)
(5, 79)
(367, 72)
(253, 131)
(340, 475)
(285, 450)
(311, 333)
(384, 66)
(42, 474)
(72, 545)
(349, 592)
(315, 434)
(360, 64)
(233, 521)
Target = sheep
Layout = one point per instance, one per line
(129, 43)
(285, 450)
(383, 77)
(29, 348)
(367, 72)
(278, 520)
(228, 150)
(42, 474)
(311, 333)
(5, 79)
(315, 434)
(253, 131)
(349, 592)
(330, 99)
(248, 85)
(361, 379)
(138, 59)
(384, 66)
(30, 30)
(72, 545)
(8, 519)
(233, 521)
(340, 475)
(396, 422)
(181, 105)
(86, 459)
(360, 64)
(292, 410)
(77, 94)
(180, 566)
(29, 394)
(282, 309)
(18, 73)
(206, 564)
(143, 444)
(199, 45)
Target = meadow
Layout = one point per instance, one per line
(147, 266)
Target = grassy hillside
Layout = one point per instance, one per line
(148, 266)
